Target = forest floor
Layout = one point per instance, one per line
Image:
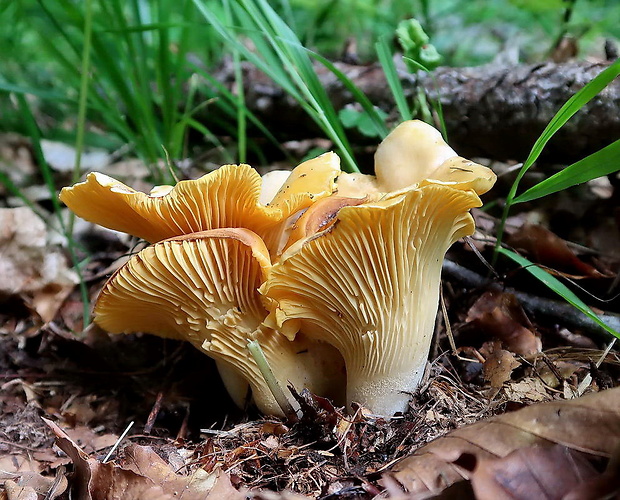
(136, 416)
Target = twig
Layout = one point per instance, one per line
(118, 441)
(154, 412)
(587, 380)
(553, 309)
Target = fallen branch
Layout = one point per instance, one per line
(493, 111)
(563, 313)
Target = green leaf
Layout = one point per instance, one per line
(43, 94)
(538, 7)
(603, 162)
(353, 118)
(558, 287)
(572, 106)
(374, 113)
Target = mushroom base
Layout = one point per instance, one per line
(385, 395)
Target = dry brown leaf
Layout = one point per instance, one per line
(527, 390)
(548, 249)
(11, 466)
(498, 367)
(16, 492)
(88, 440)
(22, 480)
(142, 474)
(590, 424)
(501, 316)
(561, 371)
(541, 472)
(272, 495)
(29, 268)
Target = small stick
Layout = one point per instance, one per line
(154, 412)
(587, 380)
(118, 441)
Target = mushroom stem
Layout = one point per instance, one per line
(272, 382)
(369, 286)
(385, 394)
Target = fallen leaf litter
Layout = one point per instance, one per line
(328, 453)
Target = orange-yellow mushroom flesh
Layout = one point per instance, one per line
(202, 288)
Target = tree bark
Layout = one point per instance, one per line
(499, 112)
(491, 111)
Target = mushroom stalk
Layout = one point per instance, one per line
(202, 287)
(369, 285)
(406, 335)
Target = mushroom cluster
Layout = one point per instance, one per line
(335, 276)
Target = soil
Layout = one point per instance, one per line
(94, 384)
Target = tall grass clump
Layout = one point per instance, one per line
(134, 80)
(278, 53)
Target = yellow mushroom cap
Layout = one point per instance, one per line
(369, 285)
(415, 152)
(228, 197)
(308, 182)
(317, 218)
(202, 288)
(356, 185)
(271, 183)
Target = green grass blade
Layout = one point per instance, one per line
(289, 50)
(240, 95)
(437, 102)
(82, 106)
(358, 95)
(227, 101)
(83, 99)
(46, 172)
(385, 59)
(10, 186)
(280, 55)
(572, 106)
(35, 137)
(153, 27)
(604, 162)
(164, 73)
(210, 136)
(43, 94)
(558, 287)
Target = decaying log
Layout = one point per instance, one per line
(491, 111)
(500, 112)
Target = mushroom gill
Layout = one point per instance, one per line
(369, 285)
(227, 197)
(202, 288)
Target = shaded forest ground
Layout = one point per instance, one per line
(93, 384)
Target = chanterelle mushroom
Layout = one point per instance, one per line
(369, 283)
(227, 197)
(202, 288)
(415, 153)
(221, 227)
